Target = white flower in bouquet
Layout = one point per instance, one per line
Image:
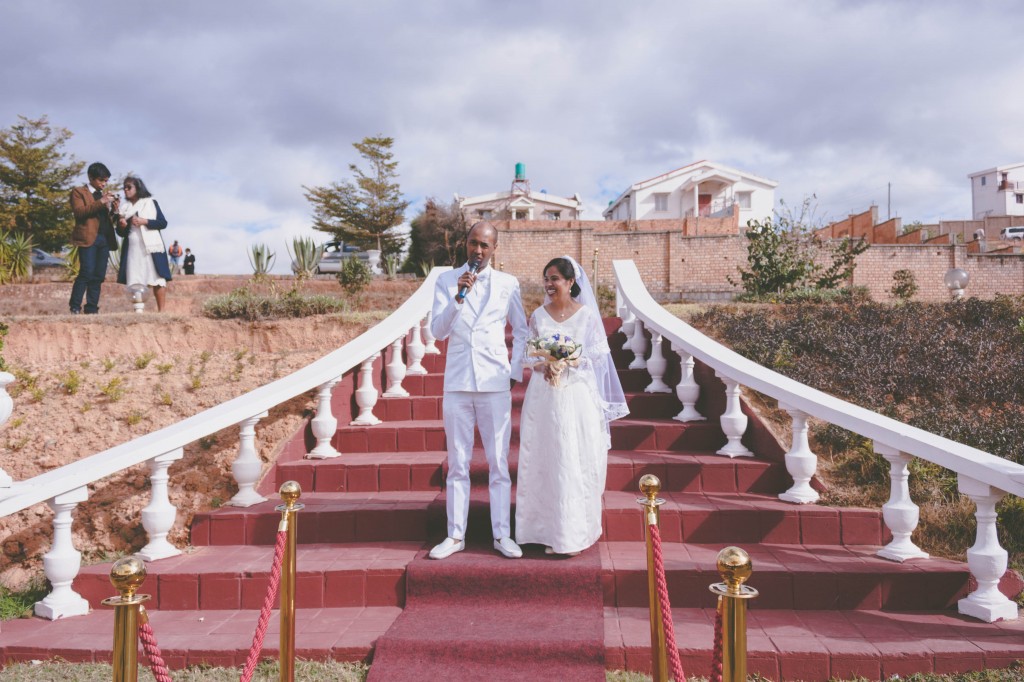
(556, 353)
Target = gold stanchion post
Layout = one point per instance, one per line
(290, 493)
(650, 486)
(735, 567)
(126, 575)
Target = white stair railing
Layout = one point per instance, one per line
(983, 477)
(65, 487)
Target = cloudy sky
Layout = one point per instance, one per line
(227, 108)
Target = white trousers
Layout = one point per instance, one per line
(491, 413)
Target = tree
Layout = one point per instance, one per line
(437, 236)
(367, 211)
(35, 179)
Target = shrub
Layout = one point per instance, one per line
(354, 276)
(305, 256)
(142, 361)
(261, 258)
(114, 389)
(904, 285)
(248, 305)
(3, 333)
(71, 382)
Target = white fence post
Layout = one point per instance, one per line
(62, 563)
(638, 344)
(159, 515)
(734, 422)
(656, 366)
(415, 350)
(429, 345)
(900, 513)
(324, 424)
(986, 559)
(247, 466)
(6, 407)
(366, 394)
(801, 462)
(396, 371)
(687, 390)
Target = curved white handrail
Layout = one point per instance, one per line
(72, 476)
(982, 466)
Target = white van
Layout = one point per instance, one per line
(1014, 233)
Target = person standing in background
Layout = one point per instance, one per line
(93, 234)
(175, 253)
(190, 262)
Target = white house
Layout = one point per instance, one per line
(520, 203)
(998, 191)
(704, 188)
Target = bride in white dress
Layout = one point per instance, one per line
(564, 433)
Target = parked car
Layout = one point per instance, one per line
(335, 252)
(1014, 233)
(41, 259)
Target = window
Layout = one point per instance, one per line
(553, 215)
(519, 215)
(743, 199)
(1020, 198)
(661, 201)
(483, 214)
(982, 180)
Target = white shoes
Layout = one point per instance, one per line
(508, 547)
(549, 550)
(448, 547)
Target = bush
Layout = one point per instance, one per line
(904, 285)
(248, 305)
(804, 295)
(354, 276)
(3, 333)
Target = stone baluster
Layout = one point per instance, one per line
(62, 563)
(429, 345)
(366, 394)
(324, 424)
(656, 366)
(687, 390)
(638, 344)
(801, 462)
(414, 351)
(396, 371)
(159, 515)
(900, 512)
(625, 313)
(986, 559)
(6, 407)
(247, 467)
(734, 422)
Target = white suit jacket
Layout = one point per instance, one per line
(477, 355)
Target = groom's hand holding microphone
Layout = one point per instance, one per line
(467, 281)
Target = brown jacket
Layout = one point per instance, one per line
(90, 215)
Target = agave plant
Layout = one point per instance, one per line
(391, 263)
(71, 264)
(305, 256)
(262, 260)
(425, 267)
(17, 257)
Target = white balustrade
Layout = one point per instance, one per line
(429, 345)
(396, 371)
(656, 366)
(414, 351)
(638, 344)
(900, 512)
(734, 422)
(628, 318)
(247, 466)
(687, 390)
(366, 394)
(801, 462)
(159, 515)
(62, 563)
(986, 559)
(324, 424)
(6, 407)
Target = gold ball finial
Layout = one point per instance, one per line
(650, 485)
(735, 567)
(290, 491)
(127, 575)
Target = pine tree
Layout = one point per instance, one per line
(35, 179)
(366, 212)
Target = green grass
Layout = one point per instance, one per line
(19, 604)
(61, 671)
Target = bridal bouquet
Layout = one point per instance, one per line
(556, 352)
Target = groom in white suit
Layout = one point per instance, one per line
(477, 383)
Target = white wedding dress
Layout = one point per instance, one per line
(563, 444)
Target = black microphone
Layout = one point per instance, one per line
(473, 267)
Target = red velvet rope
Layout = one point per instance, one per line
(149, 645)
(674, 664)
(716, 661)
(268, 604)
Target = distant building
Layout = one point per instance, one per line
(998, 191)
(520, 203)
(702, 189)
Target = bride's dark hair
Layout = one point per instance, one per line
(566, 270)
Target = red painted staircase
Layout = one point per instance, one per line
(828, 606)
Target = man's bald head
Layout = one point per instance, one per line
(480, 243)
(484, 228)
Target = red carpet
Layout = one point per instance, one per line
(479, 616)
